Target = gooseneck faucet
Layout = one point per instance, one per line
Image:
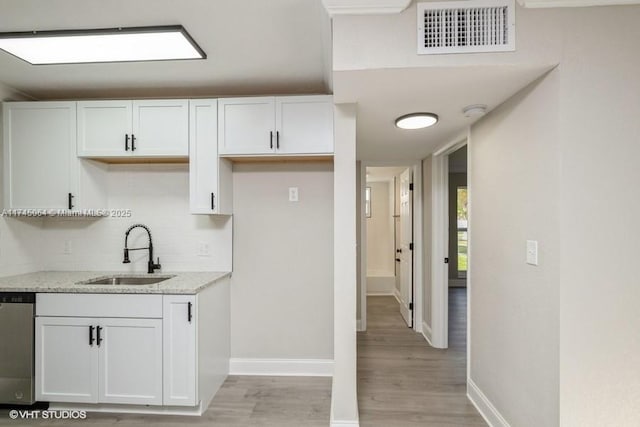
(151, 266)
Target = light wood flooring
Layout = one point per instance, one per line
(402, 381)
(242, 401)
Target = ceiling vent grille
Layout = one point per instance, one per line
(466, 27)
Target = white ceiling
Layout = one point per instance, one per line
(384, 95)
(382, 174)
(253, 47)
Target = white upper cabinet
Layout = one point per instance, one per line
(210, 177)
(151, 128)
(246, 125)
(104, 128)
(290, 125)
(304, 125)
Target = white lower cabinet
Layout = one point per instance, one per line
(99, 360)
(130, 361)
(66, 362)
(180, 367)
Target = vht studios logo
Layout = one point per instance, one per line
(47, 415)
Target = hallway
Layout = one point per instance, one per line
(402, 381)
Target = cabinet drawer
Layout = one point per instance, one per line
(99, 305)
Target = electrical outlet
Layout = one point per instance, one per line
(67, 247)
(203, 249)
(293, 194)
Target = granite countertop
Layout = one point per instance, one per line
(73, 282)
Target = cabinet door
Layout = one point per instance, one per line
(131, 361)
(304, 124)
(66, 361)
(210, 178)
(104, 128)
(246, 126)
(40, 164)
(180, 332)
(161, 128)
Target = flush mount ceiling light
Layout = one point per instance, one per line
(416, 120)
(102, 45)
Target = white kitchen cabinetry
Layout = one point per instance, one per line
(66, 364)
(210, 177)
(91, 360)
(130, 361)
(149, 128)
(290, 125)
(180, 334)
(41, 170)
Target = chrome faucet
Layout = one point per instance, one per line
(151, 266)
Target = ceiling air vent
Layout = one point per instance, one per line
(466, 27)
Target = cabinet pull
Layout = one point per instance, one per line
(70, 201)
(278, 140)
(98, 330)
(126, 142)
(133, 142)
(271, 140)
(91, 339)
(189, 314)
(213, 202)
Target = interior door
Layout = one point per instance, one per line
(406, 248)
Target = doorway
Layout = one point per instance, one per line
(389, 232)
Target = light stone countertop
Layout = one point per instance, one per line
(71, 282)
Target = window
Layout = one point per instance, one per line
(367, 202)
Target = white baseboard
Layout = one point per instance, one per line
(484, 406)
(426, 333)
(359, 327)
(396, 293)
(380, 294)
(336, 423)
(282, 367)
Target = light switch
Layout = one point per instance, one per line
(293, 194)
(67, 247)
(532, 252)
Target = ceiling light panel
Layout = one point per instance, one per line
(106, 45)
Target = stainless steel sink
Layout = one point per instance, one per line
(127, 280)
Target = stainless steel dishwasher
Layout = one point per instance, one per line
(17, 311)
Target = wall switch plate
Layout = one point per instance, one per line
(293, 194)
(532, 252)
(67, 247)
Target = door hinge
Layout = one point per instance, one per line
(411, 186)
(410, 246)
(410, 306)
(446, 260)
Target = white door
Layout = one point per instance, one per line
(246, 126)
(66, 360)
(40, 160)
(304, 124)
(179, 331)
(406, 248)
(104, 128)
(131, 361)
(161, 128)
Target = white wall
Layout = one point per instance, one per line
(514, 178)
(282, 284)
(427, 236)
(380, 234)
(600, 291)
(158, 196)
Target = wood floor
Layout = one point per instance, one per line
(402, 381)
(242, 401)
